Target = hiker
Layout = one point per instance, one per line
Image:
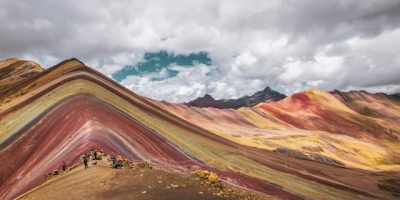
(92, 153)
(113, 159)
(85, 160)
(100, 156)
(64, 166)
(118, 164)
(94, 157)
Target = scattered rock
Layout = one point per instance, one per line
(144, 165)
(206, 175)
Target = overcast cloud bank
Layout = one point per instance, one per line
(288, 45)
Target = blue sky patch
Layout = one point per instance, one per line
(154, 62)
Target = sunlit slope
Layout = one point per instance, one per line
(372, 105)
(13, 72)
(312, 122)
(70, 107)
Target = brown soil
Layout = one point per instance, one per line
(140, 182)
(14, 72)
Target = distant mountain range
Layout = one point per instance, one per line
(396, 96)
(266, 94)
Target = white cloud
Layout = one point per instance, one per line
(190, 82)
(283, 44)
(322, 67)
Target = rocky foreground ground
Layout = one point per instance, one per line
(136, 181)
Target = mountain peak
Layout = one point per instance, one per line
(267, 94)
(205, 101)
(70, 61)
(267, 89)
(207, 96)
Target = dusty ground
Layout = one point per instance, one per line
(102, 182)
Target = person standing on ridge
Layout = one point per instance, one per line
(64, 166)
(92, 153)
(95, 155)
(85, 160)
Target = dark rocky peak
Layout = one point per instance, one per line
(266, 94)
(396, 96)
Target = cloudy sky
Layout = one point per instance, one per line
(179, 50)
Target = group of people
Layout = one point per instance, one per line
(115, 162)
(94, 155)
(56, 172)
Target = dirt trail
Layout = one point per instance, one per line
(102, 182)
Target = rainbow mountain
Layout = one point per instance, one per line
(310, 145)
